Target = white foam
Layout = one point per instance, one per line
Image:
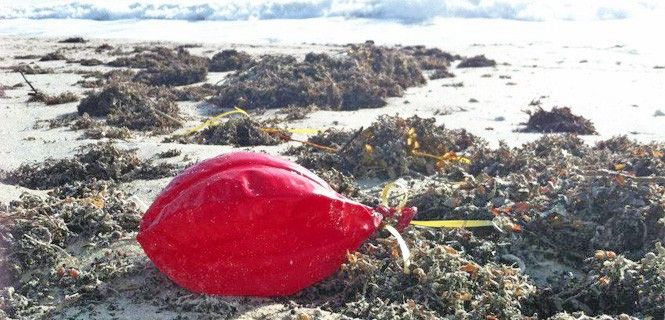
(404, 11)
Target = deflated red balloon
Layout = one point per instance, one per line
(249, 224)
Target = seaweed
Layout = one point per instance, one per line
(558, 120)
(163, 66)
(229, 60)
(88, 62)
(100, 132)
(41, 268)
(169, 153)
(132, 105)
(56, 55)
(101, 161)
(430, 58)
(389, 148)
(27, 57)
(191, 93)
(240, 132)
(31, 69)
(441, 73)
(113, 76)
(477, 62)
(65, 97)
(362, 78)
(443, 282)
(73, 40)
(104, 47)
(172, 75)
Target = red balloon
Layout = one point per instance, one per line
(250, 224)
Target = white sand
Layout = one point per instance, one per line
(617, 88)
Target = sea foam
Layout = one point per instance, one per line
(413, 11)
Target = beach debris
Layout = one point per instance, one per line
(169, 153)
(445, 280)
(477, 62)
(100, 131)
(441, 73)
(252, 195)
(132, 105)
(189, 93)
(34, 91)
(87, 62)
(229, 60)
(101, 161)
(454, 84)
(104, 47)
(39, 96)
(65, 97)
(164, 66)
(45, 248)
(391, 147)
(240, 132)
(361, 78)
(56, 55)
(73, 40)
(31, 69)
(27, 57)
(104, 78)
(430, 58)
(659, 113)
(297, 113)
(172, 75)
(558, 120)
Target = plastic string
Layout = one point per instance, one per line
(215, 119)
(403, 248)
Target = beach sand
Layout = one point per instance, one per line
(615, 87)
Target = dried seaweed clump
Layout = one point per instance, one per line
(558, 120)
(101, 161)
(100, 131)
(430, 58)
(41, 261)
(391, 147)
(614, 284)
(73, 40)
(88, 62)
(240, 132)
(191, 93)
(164, 66)
(625, 155)
(56, 55)
(362, 78)
(32, 69)
(441, 73)
(443, 282)
(477, 62)
(65, 97)
(229, 60)
(102, 79)
(134, 106)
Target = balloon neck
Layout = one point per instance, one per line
(401, 217)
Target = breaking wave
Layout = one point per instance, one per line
(405, 11)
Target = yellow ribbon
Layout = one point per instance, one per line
(385, 193)
(454, 223)
(215, 119)
(295, 130)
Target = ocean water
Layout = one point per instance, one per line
(414, 11)
(445, 23)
